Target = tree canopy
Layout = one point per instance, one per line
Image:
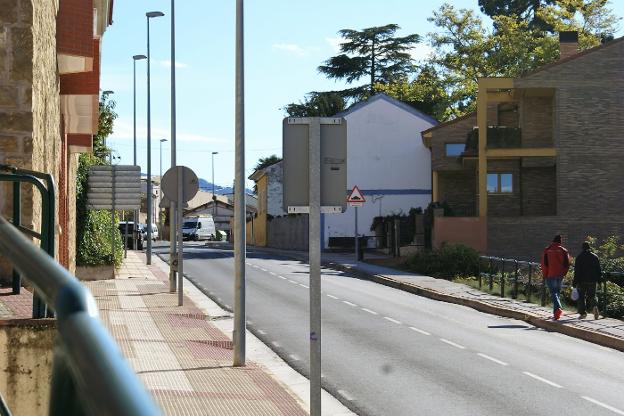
(318, 104)
(373, 52)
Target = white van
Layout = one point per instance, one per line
(200, 227)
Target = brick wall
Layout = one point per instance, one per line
(539, 191)
(458, 188)
(455, 132)
(536, 121)
(75, 27)
(505, 205)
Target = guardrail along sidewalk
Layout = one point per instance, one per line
(182, 358)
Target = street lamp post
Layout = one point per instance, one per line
(161, 142)
(214, 198)
(160, 186)
(135, 58)
(172, 206)
(148, 255)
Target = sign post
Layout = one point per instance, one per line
(356, 200)
(315, 174)
(179, 184)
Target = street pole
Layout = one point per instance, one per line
(239, 195)
(148, 255)
(314, 245)
(172, 206)
(357, 242)
(136, 211)
(161, 142)
(214, 198)
(180, 268)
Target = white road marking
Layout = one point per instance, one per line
(282, 277)
(487, 357)
(302, 285)
(542, 379)
(275, 344)
(249, 322)
(349, 303)
(369, 311)
(294, 357)
(392, 320)
(293, 282)
(263, 269)
(420, 331)
(346, 395)
(446, 341)
(332, 296)
(606, 406)
(273, 273)
(261, 332)
(229, 307)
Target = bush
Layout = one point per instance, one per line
(94, 227)
(447, 262)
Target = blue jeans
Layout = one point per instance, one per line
(554, 285)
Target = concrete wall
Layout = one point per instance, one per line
(386, 158)
(275, 190)
(26, 363)
(288, 233)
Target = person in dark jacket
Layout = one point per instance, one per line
(555, 265)
(587, 273)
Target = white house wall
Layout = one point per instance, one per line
(387, 159)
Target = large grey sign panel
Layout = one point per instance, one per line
(117, 187)
(333, 162)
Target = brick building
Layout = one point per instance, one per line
(49, 90)
(541, 156)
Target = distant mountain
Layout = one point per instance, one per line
(204, 185)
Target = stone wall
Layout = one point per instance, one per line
(29, 98)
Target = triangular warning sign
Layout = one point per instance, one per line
(356, 195)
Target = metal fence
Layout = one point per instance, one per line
(515, 277)
(89, 374)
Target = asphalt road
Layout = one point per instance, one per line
(388, 352)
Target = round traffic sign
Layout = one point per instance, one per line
(169, 183)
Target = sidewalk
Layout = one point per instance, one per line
(605, 331)
(184, 360)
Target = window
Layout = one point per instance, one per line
(455, 149)
(499, 183)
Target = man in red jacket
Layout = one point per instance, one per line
(555, 265)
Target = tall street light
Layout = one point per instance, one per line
(161, 142)
(148, 256)
(172, 207)
(135, 58)
(214, 198)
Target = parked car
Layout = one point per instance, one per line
(140, 233)
(155, 235)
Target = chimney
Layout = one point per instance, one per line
(568, 44)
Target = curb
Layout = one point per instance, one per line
(561, 327)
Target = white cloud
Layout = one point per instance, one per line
(167, 63)
(123, 130)
(421, 52)
(335, 43)
(291, 48)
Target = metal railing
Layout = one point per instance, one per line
(90, 375)
(525, 277)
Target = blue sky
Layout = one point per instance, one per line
(285, 42)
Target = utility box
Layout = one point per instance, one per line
(296, 134)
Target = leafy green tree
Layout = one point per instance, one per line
(373, 52)
(466, 50)
(94, 227)
(425, 92)
(317, 104)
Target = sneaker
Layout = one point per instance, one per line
(557, 314)
(583, 316)
(596, 312)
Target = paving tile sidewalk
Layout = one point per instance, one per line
(604, 331)
(183, 359)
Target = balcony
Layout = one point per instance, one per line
(498, 137)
